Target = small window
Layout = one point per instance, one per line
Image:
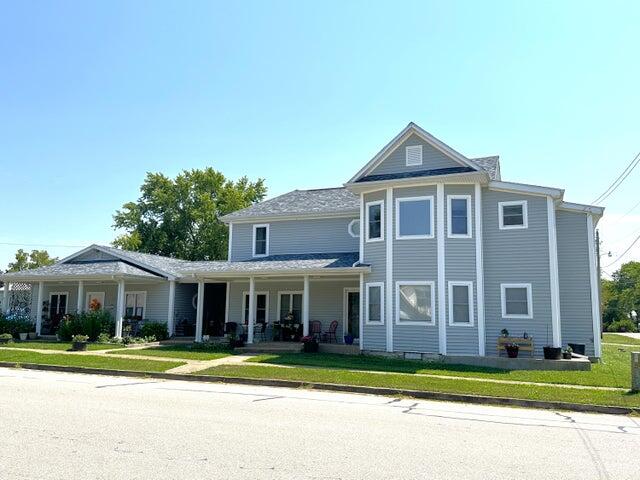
(290, 304)
(260, 240)
(461, 303)
(375, 303)
(261, 307)
(135, 305)
(375, 214)
(516, 300)
(415, 302)
(459, 216)
(413, 155)
(414, 217)
(512, 215)
(354, 228)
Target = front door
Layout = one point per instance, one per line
(353, 313)
(215, 306)
(57, 309)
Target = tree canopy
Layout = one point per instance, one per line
(622, 294)
(28, 261)
(180, 217)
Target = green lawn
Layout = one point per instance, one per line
(188, 352)
(620, 339)
(58, 345)
(89, 361)
(614, 371)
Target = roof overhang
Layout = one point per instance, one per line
(556, 193)
(303, 216)
(452, 179)
(581, 208)
(13, 278)
(275, 273)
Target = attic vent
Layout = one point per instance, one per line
(414, 155)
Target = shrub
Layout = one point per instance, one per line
(79, 338)
(91, 323)
(15, 324)
(154, 329)
(622, 325)
(104, 338)
(6, 336)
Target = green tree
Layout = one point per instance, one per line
(622, 294)
(180, 217)
(27, 261)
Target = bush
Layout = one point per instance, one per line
(91, 324)
(79, 338)
(622, 325)
(154, 329)
(15, 325)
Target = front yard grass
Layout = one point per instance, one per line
(188, 352)
(41, 345)
(614, 371)
(88, 361)
(620, 339)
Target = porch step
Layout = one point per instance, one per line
(271, 347)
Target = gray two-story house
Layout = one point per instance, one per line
(423, 250)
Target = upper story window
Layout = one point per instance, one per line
(414, 217)
(375, 215)
(414, 303)
(413, 155)
(461, 303)
(516, 300)
(459, 216)
(513, 215)
(261, 240)
(354, 228)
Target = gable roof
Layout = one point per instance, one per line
(99, 268)
(323, 201)
(490, 164)
(413, 129)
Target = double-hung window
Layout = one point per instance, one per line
(414, 303)
(414, 217)
(290, 303)
(461, 303)
(261, 240)
(375, 218)
(374, 313)
(513, 215)
(135, 305)
(459, 209)
(261, 307)
(516, 300)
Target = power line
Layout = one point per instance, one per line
(630, 210)
(624, 253)
(618, 181)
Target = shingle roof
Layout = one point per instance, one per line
(277, 263)
(169, 265)
(415, 174)
(82, 269)
(324, 200)
(490, 164)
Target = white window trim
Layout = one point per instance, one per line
(503, 299)
(450, 234)
(406, 155)
(401, 283)
(371, 204)
(245, 294)
(137, 292)
(368, 286)
(89, 294)
(350, 228)
(290, 292)
(525, 215)
(66, 305)
(469, 286)
(253, 243)
(399, 200)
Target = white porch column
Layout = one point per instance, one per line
(80, 304)
(200, 311)
(172, 302)
(120, 309)
(252, 307)
(5, 298)
(39, 308)
(305, 307)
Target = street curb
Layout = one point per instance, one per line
(424, 395)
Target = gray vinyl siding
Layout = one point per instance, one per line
(431, 159)
(460, 265)
(415, 260)
(516, 256)
(326, 300)
(328, 235)
(375, 336)
(573, 271)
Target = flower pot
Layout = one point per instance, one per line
(348, 339)
(512, 352)
(552, 353)
(23, 336)
(79, 346)
(33, 336)
(578, 348)
(310, 347)
(566, 355)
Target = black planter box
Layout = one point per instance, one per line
(79, 346)
(552, 353)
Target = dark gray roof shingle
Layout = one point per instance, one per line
(415, 174)
(490, 164)
(82, 269)
(169, 265)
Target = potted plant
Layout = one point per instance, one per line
(512, 350)
(234, 341)
(504, 332)
(552, 353)
(566, 354)
(348, 339)
(309, 344)
(6, 338)
(79, 343)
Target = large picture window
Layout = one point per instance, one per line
(414, 217)
(414, 303)
(374, 226)
(374, 313)
(516, 300)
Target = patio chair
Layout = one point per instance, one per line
(316, 329)
(331, 333)
(261, 331)
(230, 328)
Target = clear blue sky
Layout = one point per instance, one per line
(95, 94)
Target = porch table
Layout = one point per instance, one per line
(287, 330)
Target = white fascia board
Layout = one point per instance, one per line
(583, 208)
(556, 193)
(307, 216)
(277, 273)
(467, 178)
(84, 278)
